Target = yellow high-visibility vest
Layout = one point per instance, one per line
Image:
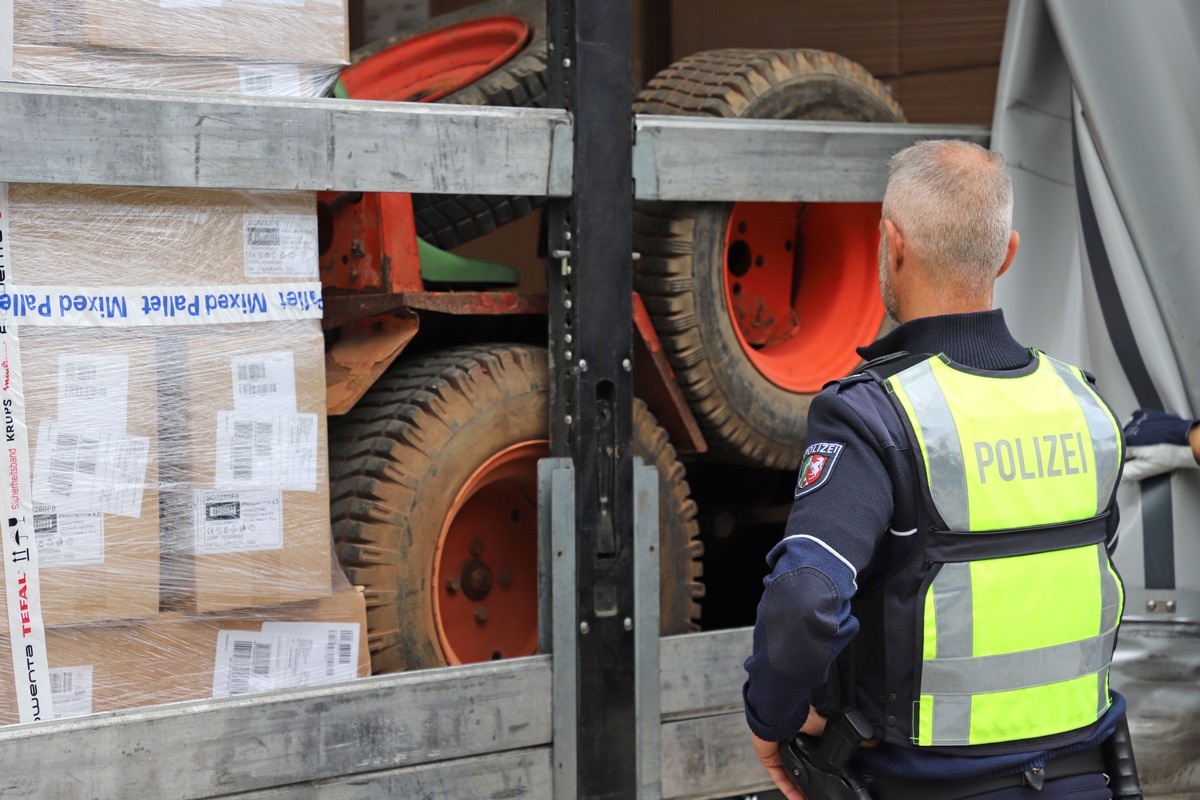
(1016, 602)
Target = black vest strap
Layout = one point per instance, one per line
(955, 546)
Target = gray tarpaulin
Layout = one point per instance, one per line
(1098, 115)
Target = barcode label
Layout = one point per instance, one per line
(280, 246)
(276, 451)
(273, 80)
(264, 383)
(93, 393)
(334, 647)
(71, 691)
(84, 472)
(249, 668)
(284, 654)
(238, 522)
(68, 539)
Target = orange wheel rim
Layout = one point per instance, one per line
(485, 569)
(430, 66)
(802, 288)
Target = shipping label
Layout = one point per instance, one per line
(264, 383)
(261, 450)
(71, 688)
(273, 80)
(283, 657)
(68, 539)
(93, 392)
(281, 245)
(238, 522)
(83, 471)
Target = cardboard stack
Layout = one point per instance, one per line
(259, 47)
(179, 471)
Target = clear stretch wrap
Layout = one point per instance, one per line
(287, 48)
(162, 383)
(179, 461)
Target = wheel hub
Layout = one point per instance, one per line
(476, 580)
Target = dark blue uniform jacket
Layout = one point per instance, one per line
(853, 517)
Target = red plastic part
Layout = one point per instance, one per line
(433, 65)
(802, 288)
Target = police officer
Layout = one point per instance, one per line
(945, 567)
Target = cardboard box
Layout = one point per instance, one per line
(940, 35)
(121, 69)
(866, 31)
(91, 411)
(92, 236)
(110, 666)
(276, 29)
(961, 97)
(246, 518)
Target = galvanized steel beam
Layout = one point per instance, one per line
(684, 158)
(213, 748)
(62, 134)
(59, 134)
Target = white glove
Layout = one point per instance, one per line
(1155, 459)
(1157, 442)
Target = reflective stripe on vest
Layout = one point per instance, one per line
(1018, 647)
(1031, 450)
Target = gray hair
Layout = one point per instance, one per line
(953, 202)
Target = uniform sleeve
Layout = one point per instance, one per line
(843, 505)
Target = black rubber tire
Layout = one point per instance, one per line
(744, 416)
(398, 459)
(448, 220)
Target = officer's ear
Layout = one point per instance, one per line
(1014, 241)
(895, 243)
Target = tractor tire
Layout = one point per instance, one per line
(448, 220)
(750, 360)
(435, 501)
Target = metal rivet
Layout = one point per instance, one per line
(567, 63)
(567, 355)
(1151, 605)
(568, 338)
(568, 419)
(891, 721)
(637, 256)
(567, 303)
(628, 624)
(582, 365)
(567, 235)
(1171, 606)
(584, 627)
(481, 614)
(627, 365)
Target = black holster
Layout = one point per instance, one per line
(1119, 764)
(821, 766)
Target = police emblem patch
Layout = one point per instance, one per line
(819, 461)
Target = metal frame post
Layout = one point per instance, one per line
(591, 275)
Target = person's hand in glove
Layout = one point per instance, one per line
(1158, 442)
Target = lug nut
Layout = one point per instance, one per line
(481, 614)
(504, 577)
(452, 585)
(476, 547)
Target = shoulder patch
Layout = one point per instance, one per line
(819, 460)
